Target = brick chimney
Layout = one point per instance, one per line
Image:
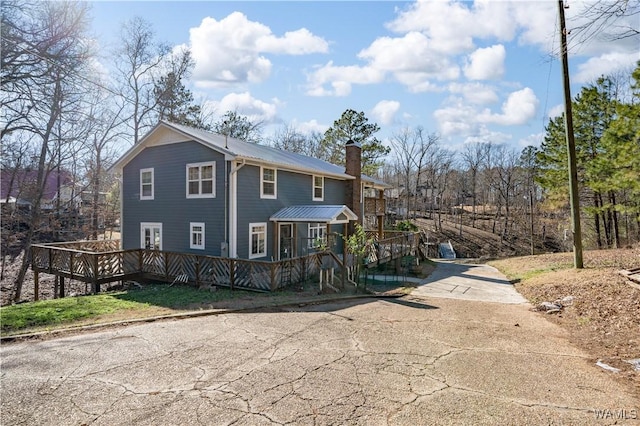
(354, 168)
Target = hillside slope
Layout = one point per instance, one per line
(476, 243)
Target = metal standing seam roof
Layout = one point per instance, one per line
(263, 153)
(245, 150)
(321, 213)
(268, 154)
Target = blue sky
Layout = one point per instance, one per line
(470, 71)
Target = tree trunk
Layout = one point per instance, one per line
(34, 221)
(614, 214)
(596, 218)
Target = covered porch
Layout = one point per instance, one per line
(321, 226)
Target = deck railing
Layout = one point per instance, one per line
(398, 244)
(97, 267)
(97, 262)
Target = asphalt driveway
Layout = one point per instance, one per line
(416, 360)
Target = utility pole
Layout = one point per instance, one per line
(533, 250)
(571, 145)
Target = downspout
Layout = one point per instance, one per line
(233, 209)
(121, 179)
(226, 201)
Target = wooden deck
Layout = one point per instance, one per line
(98, 262)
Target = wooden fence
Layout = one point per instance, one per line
(98, 262)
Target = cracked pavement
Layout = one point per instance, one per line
(413, 360)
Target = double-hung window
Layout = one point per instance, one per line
(146, 184)
(257, 240)
(201, 180)
(316, 235)
(197, 235)
(318, 188)
(268, 182)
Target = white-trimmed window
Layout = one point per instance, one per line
(316, 235)
(146, 184)
(318, 188)
(257, 240)
(197, 235)
(268, 182)
(201, 180)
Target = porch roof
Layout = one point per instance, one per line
(315, 214)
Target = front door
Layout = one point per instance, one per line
(286, 240)
(151, 236)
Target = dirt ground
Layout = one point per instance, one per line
(604, 317)
(46, 282)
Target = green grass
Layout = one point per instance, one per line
(65, 311)
(177, 297)
(60, 311)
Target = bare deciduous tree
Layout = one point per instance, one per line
(45, 54)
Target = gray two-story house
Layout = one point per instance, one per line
(191, 191)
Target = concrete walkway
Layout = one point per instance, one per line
(480, 283)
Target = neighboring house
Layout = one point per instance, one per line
(19, 188)
(191, 191)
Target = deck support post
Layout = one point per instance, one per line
(36, 286)
(61, 287)
(95, 287)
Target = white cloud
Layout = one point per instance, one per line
(605, 65)
(408, 59)
(486, 63)
(409, 54)
(451, 26)
(556, 111)
(309, 127)
(460, 118)
(243, 103)
(339, 79)
(531, 140)
(300, 42)
(518, 109)
(476, 93)
(231, 51)
(456, 119)
(484, 135)
(385, 111)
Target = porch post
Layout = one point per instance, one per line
(294, 240)
(344, 254)
(380, 216)
(276, 241)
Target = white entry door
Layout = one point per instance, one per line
(151, 236)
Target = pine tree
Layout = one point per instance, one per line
(237, 126)
(175, 102)
(355, 126)
(607, 134)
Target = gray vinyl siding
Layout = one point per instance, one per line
(292, 189)
(170, 205)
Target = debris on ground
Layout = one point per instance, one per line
(555, 307)
(635, 363)
(632, 275)
(607, 367)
